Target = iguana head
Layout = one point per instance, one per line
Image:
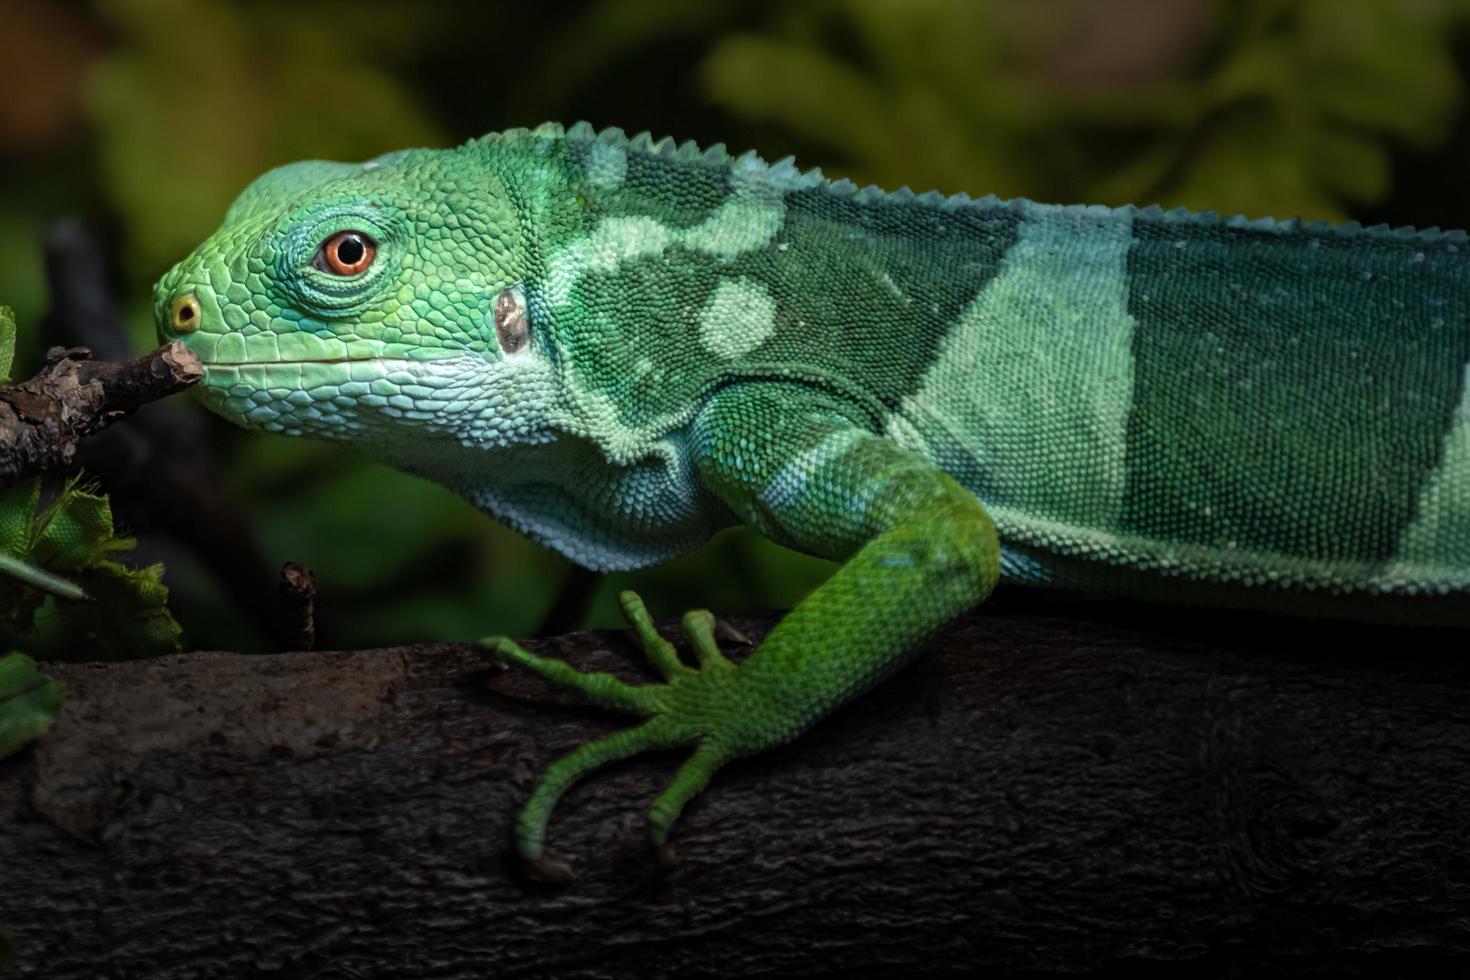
(374, 303)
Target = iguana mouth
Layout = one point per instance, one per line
(322, 360)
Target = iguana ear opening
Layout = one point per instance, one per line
(512, 325)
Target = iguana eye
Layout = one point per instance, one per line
(346, 253)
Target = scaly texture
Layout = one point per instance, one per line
(619, 346)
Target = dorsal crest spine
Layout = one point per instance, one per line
(786, 169)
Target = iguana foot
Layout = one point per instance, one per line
(699, 707)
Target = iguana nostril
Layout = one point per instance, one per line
(184, 317)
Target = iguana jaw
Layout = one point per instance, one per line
(306, 360)
(392, 406)
(285, 343)
(338, 398)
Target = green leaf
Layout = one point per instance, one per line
(127, 616)
(126, 613)
(18, 515)
(77, 531)
(132, 609)
(7, 342)
(29, 701)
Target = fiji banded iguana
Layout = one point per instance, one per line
(619, 346)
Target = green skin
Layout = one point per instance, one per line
(620, 346)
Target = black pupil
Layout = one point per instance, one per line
(350, 250)
(187, 313)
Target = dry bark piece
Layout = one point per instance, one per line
(298, 606)
(44, 419)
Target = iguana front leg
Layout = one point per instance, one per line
(917, 549)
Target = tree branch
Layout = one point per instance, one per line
(43, 420)
(1082, 789)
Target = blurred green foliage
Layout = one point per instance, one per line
(180, 128)
(148, 116)
(1268, 107)
(122, 611)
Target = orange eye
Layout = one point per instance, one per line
(346, 253)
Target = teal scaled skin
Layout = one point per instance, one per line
(621, 346)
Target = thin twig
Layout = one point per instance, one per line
(43, 420)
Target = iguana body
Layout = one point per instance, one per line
(619, 347)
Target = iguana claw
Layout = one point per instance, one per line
(692, 707)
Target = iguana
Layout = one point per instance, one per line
(619, 346)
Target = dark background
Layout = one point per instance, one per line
(145, 117)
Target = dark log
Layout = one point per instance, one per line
(43, 420)
(1081, 789)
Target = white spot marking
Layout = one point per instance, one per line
(748, 220)
(615, 241)
(743, 223)
(738, 318)
(607, 166)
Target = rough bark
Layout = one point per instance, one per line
(1084, 789)
(43, 420)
